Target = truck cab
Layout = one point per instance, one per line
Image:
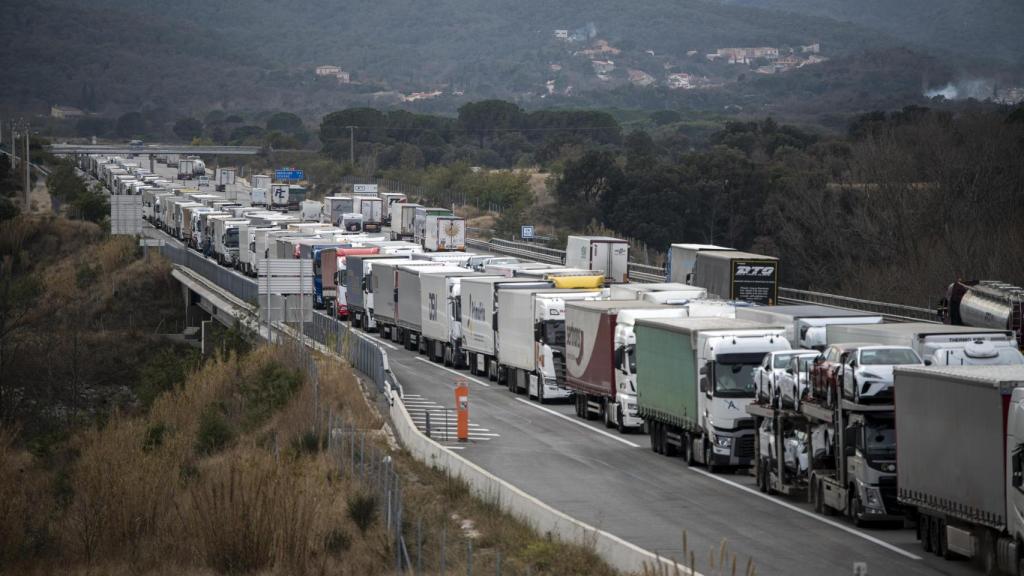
(727, 363)
(623, 410)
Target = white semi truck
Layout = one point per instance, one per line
(594, 360)
(480, 312)
(440, 315)
(531, 343)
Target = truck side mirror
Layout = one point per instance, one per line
(704, 386)
(618, 356)
(927, 362)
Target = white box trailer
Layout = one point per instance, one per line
(359, 291)
(682, 258)
(479, 304)
(259, 196)
(444, 233)
(312, 211)
(409, 308)
(531, 342)
(372, 209)
(610, 255)
(806, 324)
(386, 283)
(390, 200)
(419, 221)
(457, 258)
(960, 460)
(440, 326)
(260, 181)
(225, 176)
(403, 221)
(173, 160)
(939, 344)
(636, 291)
(337, 206)
(186, 168)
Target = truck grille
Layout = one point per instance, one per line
(745, 446)
(887, 487)
(558, 357)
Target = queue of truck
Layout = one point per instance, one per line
(878, 421)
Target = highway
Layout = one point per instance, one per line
(617, 483)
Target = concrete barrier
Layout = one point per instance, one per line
(618, 553)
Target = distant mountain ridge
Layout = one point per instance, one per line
(977, 28)
(194, 55)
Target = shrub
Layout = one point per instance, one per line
(214, 432)
(362, 510)
(273, 386)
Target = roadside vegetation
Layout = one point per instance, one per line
(122, 451)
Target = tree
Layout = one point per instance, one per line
(88, 126)
(130, 125)
(285, 122)
(489, 116)
(585, 183)
(188, 128)
(246, 135)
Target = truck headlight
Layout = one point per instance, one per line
(723, 441)
(873, 499)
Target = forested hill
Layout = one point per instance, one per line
(201, 54)
(975, 28)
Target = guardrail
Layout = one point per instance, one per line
(889, 310)
(646, 273)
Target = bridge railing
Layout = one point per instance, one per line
(888, 309)
(239, 286)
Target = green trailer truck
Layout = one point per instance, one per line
(694, 381)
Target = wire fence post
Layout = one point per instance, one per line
(469, 557)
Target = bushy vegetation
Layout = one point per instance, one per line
(908, 202)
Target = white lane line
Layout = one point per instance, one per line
(813, 515)
(384, 342)
(456, 372)
(578, 423)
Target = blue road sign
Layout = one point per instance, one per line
(289, 174)
(526, 233)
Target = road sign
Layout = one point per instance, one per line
(462, 410)
(526, 232)
(286, 174)
(364, 188)
(285, 277)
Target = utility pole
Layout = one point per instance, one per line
(352, 146)
(14, 147)
(28, 185)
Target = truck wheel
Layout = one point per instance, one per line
(654, 437)
(708, 455)
(606, 414)
(855, 509)
(925, 523)
(471, 358)
(762, 475)
(934, 532)
(618, 420)
(670, 450)
(540, 390)
(989, 561)
(819, 497)
(688, 450)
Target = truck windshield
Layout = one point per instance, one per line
(734, 380)
(879, 439)
(553, 332)
(888, 357)
(231, 238)
(631, 358)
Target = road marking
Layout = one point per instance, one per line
(578, 423)
(812, 515)
(374, 338)
(456, 372)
